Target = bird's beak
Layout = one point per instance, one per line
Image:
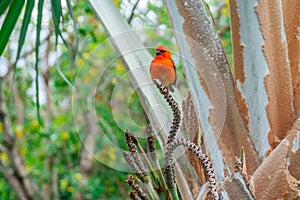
(158, 52)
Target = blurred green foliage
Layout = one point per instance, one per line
(56, 140)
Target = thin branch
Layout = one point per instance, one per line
(132, 11)
(13, 181)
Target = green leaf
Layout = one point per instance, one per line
(26, 20)
(74, 52)
(56, 16)
(37, 45)
(3, 6)
(10, 22)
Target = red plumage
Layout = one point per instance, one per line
(162, 67)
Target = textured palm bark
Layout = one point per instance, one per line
(238, 47)
(238, 59)
(291, 13)
(278, 176)
(190, 124)
(236, 188)
(210, 61)
(250, 69)
(279, 81)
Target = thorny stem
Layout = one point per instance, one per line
(136, 188)
(134, 160)
(170, 170)
(143, 154)
(133, 145)
(151, 143)
(206, 164)
(133, 165)
(134, 154)
(133, 196)
(173, 143)
(174, 106)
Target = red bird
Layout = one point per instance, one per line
(162, 67)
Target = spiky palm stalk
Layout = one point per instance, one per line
(206, 164)
(137, 193)
(134, 160)
(169, 179)
(174, 106)
(133, 156)
(174, 142)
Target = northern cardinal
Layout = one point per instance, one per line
(162, 67)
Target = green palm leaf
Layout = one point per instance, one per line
(3, 6)
(56, 16)
(26, 20)
(37, 44)
(10, 22)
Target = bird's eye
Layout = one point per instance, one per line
(163, 51)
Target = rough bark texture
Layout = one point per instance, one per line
(278, 82)
(243, 108)
(277, 177)
(250, 68)
(237, 47)
(294, 167)
(236, 187)
(291, 13)
(211, 63)
(193, 132)
(238, 59)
